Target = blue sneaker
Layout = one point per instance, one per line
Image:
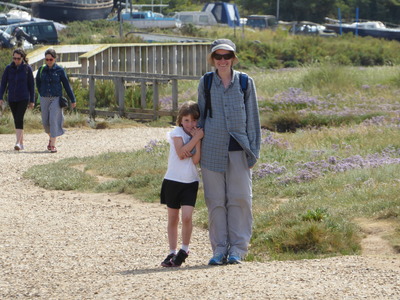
(218, 259)
(234, 259)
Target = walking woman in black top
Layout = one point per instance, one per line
(19, 82)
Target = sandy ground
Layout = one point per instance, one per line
(69, 245)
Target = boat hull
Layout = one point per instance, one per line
(389, 34)
(67, 12)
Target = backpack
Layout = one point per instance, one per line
(40, 75)
(41, 69)
(208, 78)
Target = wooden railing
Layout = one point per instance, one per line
(145, 80)
(146, 64)
(189, 59)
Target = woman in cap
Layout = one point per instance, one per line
(230, 148)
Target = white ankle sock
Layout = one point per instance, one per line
(185, 248)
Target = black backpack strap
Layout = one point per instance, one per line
(208, 78)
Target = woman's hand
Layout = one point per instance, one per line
(73, 105)
(31, 105)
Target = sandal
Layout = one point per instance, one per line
(53, 149)
(49, 146)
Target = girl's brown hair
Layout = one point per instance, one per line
(21, 52)
(188, 108)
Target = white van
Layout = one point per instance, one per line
(199, 18)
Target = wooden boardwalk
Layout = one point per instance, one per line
(146, 64)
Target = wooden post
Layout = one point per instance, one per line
(84, 70)
(92, 98)
(158, 59)
(191, 60)
(155, 99)
(106, 61)
(186, 70)
(138, 61)
(129, 60)
(178, 59)
(173, 60)
(143, 92)
(114, 59)
(98, 63)
(120, 93)
(174, 98)
(122, 59)
(151, 60)
(165, 60)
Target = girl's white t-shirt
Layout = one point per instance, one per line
(180, 170)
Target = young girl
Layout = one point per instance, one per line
(181, 182)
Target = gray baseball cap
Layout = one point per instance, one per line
(222, 44)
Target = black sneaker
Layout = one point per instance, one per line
(167, 261)
(178, 259)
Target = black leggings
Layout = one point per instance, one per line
(18, 110)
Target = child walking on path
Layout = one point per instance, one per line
(181, 181)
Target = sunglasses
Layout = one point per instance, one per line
(223, 56)
(17, 58)
(49, 59)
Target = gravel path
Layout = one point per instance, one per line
(68, 245)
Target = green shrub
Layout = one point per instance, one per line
(5, 58)
(281, 121)
(81, 94)
(105, 94)
(317, 215)
(133, 97)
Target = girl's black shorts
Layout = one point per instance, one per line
(175, 194)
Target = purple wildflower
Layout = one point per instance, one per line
(266, 169)
(313, 169)
(151, 145)
(166, 103)
(271, 140)
(378, 120)
(296, 97)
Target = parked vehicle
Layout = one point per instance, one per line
(148, 19)
(44, 31)
(199, 18)
(367, 28)
(9, 41)
(262, 21)
(310, 28)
